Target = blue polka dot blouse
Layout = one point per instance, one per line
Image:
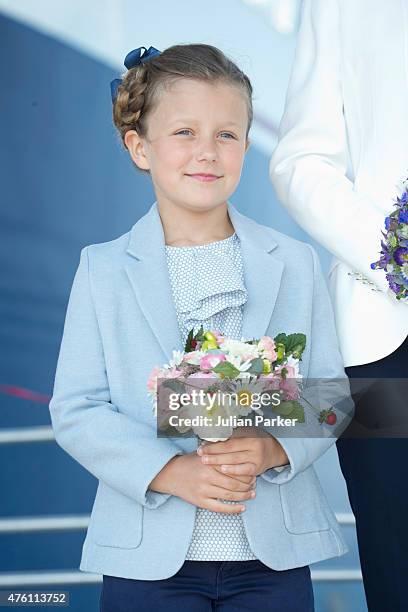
(208, 289)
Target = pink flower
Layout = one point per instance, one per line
(211, 360)
(163, 411)
(152, 380)
(272, 381)
(202, 376)
(289, 384)
(290, 388)
(267, 346)
(218, 336)
(159, 373)
(171, 373)
(290, 371)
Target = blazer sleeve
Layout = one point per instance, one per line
(326, 386)
(308, 167)
(120, 451)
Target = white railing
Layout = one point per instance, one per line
(29, 524)
(43, 433)
(69, 522)
(26, 524)
(72, 577)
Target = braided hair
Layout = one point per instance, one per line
(138, 92)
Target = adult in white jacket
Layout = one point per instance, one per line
(341, 155)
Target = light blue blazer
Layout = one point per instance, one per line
(120, 322)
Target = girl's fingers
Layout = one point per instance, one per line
(225, 458)
(248, 481)
(231, 445)
(251, 480)
(218, 506)
(233, 484)
(238, 496)
(243, 469)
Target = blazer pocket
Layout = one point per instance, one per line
(304, 504)
(116, 519)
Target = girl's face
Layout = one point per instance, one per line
(195, 144)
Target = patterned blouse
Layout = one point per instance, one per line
(208, 288)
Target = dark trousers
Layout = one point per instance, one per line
(375, 470)
(204, 586)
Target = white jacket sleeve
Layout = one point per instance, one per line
(308, 168)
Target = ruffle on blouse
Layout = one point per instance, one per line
(214, 293)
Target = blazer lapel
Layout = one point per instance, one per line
(262, 271)
(148, 275)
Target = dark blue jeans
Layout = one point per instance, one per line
(204, 586)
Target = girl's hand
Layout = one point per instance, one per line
(244, 456)
(199, 484)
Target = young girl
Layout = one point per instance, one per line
(159, 531)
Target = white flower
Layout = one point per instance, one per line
(244, 376)
(175, 361)
(206, 430)
(242, 366)
(239, 350)
(294, 363)
(195, 357)
(245, 390)
(403, 232)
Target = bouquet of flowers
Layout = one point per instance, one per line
(214, 366)
(394, 248)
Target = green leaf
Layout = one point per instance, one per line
(226, 369)
(198, 337)
(294, 344)
(174, 384)
(298, 413)
(188, 348)
(290, 410)
(256, 366)
(280, 338)
(284, 408)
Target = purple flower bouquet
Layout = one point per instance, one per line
(394, 248)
